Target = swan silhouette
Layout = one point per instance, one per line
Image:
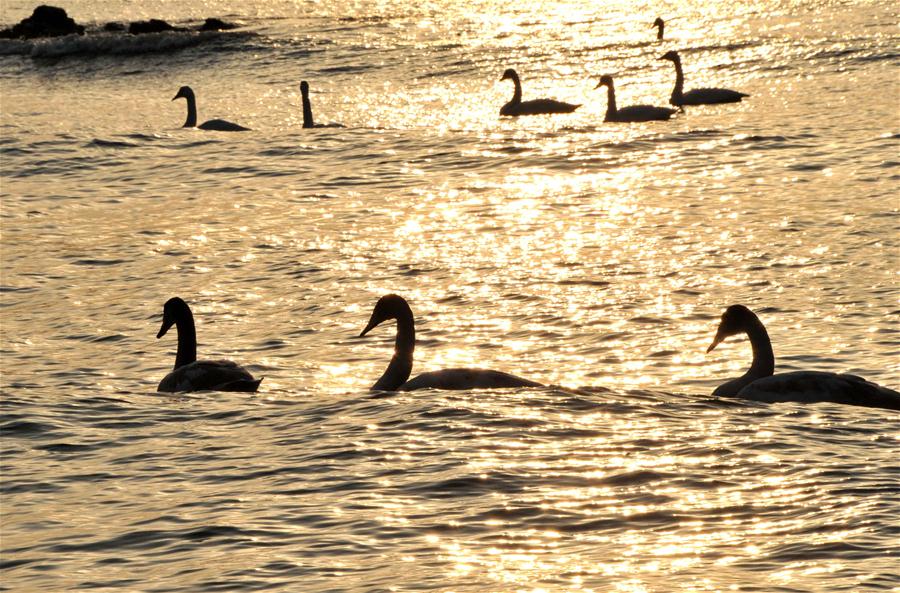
(218, 125)
(395, 376)
(518, 107)
(307, 110)
(760, 384)
(661, 24)
(633, 113)
(189, 373)
(697, 96)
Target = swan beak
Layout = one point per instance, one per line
(599, 84)
(373, 323)
(718, 340)
(166, 324)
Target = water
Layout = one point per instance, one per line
(593, 257)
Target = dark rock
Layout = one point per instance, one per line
(45, 21)
(151, 26)
(214, 24)
(114, 27)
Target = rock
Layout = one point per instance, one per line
(45, 21)
(114, 27)
(214, 24)
(151, 26)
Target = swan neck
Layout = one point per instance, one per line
(611, 108)
(679, 82)
(307, 112)
(517, 93)
(191, 121)
(187, 340)
(399, 369)
(659, 34)
(763, 356)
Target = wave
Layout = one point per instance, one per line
(117, 43)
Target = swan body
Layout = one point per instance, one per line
(395, 378)
(710, 96)
(218, 125)
(761, 384)
(517, 106)
(191, 374)
(633, 113)
(661, 25)
(307, 110)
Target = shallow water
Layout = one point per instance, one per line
(593, 257)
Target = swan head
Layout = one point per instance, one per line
(304, 87)
(173, 310)
(658, 23)
(183, 93)
(671, 55)
(509, 74)
(605, 80)
(390, 306)
(734, 321)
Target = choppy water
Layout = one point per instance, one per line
(593, 257)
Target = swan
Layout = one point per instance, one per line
(307, 106)
(393, 306)
(189, 373)
(307, 110)
(219, 125)
(633, 113)
(697, 96)
(662, 26)
(518, 107)
(760, 384)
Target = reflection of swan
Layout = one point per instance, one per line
(395, 377)
(662, 25)
(219, 125)
(760, 384)
(191, 374)
(533, 107)
(307, 110)
(633, 113)
(697, 96)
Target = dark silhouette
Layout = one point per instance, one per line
(697, 96)
(518, 107)
(151, 26)
(661, 24)
(633, 113)
(52, 21)
(759, 383)
(191, 374)
(395, 377)
(219, 125)
(45, 21)
(307, 106)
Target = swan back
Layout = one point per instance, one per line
(816, 386)
(221, 125)
(209, 375)
(466, 379)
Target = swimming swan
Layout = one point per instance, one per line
(518, 107)
(307, 110)
(662, 26)
(219, 125)
(633, 113)
(760, 384)
(395, 377)
(697, 96)
(191, 374)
